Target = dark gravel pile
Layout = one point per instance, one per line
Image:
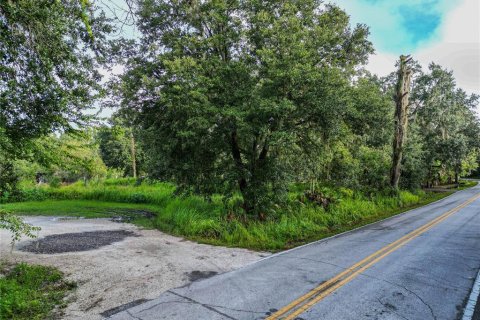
(73, 242)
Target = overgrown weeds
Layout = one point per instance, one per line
(31, 291)
(220, 222)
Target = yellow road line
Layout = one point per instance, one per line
(306, 301)
(339, 276)
(320, 297)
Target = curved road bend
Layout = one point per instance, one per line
(418, 265)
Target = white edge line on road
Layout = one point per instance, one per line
(472, 300)
(359, 228)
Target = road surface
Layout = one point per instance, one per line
(418, 265)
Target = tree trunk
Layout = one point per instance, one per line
(457, 176)
(242, 182)
(401, 118)
(134, 159)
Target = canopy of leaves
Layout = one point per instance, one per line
(445, 126)
(226, 90)
(49, 54)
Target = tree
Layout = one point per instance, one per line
(449, 127)
(119, 150)
(355, 156)
(16, 226)
(226, 90)
(402, 93)
(371, 107)
(78, 157)
(49, 55)
(67, 158)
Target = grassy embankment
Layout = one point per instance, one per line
(210, 221)
(31, 291)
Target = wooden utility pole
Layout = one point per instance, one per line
(402, 96)
(134, 160)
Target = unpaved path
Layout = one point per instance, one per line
(138, 267)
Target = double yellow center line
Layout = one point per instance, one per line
(305, 302)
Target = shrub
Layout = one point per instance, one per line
(33, 194)
(8, 180)
(55, 182)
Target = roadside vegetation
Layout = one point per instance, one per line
(255, 125)
(215, 221)
(31, 292)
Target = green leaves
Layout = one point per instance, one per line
(447, 128)
(235, 86)
(49, 60)
(17, 227)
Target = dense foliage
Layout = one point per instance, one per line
(252, 96)
(119, 147)
(49, 59)
(63, 159)
(245, 86)
(239, 100)
(446, 127)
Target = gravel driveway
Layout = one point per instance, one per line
(123, 265)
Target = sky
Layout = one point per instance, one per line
(446, 32)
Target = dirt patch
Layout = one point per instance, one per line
(198, 275)
(74, 242)
(136, 268)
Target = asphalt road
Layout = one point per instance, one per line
(418, 265)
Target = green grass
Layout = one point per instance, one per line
(465, 184)
(74, 208)
(31, 291)
(304, 225)
(121, 190)
(210, 221)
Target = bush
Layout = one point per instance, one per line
(32, 194)
(8, 181)
(55, 182)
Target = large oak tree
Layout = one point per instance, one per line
(227, 90)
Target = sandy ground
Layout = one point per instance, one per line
(140, 267)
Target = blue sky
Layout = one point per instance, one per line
(443, 31)
(400, 26)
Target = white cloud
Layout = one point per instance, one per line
(457, 48)
(382, 64)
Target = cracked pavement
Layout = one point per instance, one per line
(428, 278)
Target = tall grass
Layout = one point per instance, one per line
(213, 222)
(120, 190)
